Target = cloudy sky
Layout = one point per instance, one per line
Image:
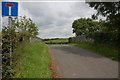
(54, 19)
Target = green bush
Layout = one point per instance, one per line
(10, 39)
(105, 37)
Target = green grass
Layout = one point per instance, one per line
(107, 51)
(34, 61)
(61, 40)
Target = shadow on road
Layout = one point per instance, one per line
(67, 49)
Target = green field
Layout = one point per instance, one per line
(107, 51)
(57, 41)
(34, 61)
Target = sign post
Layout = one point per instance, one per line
(10, 9)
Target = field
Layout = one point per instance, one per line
(57, 41)
(34, 61)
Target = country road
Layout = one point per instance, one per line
(74, 62)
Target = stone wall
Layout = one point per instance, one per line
(80, 39)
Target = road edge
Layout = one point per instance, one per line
(54, 66)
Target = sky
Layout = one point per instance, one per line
(54, 19)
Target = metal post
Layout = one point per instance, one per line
(10, 25)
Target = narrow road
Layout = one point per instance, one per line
(74, 62)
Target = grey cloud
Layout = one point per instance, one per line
(55, 19)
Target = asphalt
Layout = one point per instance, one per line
(74, 62)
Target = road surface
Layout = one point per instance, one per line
(74, 62)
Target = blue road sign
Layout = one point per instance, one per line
(9, 9)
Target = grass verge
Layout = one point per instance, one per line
(107, 51)
(34, 61)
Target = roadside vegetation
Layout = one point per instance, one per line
(23, 56)
(33, 61)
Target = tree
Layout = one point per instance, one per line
(26, 27)
(110, 10)
(85, 26)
